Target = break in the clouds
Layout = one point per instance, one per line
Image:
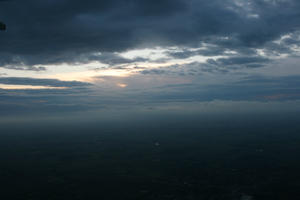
(42, 82)
(47, 32)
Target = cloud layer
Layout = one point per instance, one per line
(56, 31)
(147, 52)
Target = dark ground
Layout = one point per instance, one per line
(234, 158)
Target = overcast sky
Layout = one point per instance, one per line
(71, 55)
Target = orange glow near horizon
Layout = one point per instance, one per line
(122, 85)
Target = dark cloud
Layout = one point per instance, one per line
(154, 71)
(236, 62)
(246, 61)
(284, 82)
(110, 59)
(25, 68)
(221, 65)
(41, 82)
(210, 51)
(59, 31)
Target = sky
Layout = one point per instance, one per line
(60, 57)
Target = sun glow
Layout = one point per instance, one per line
(122, 85)
(92, 71)
(88, 76)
